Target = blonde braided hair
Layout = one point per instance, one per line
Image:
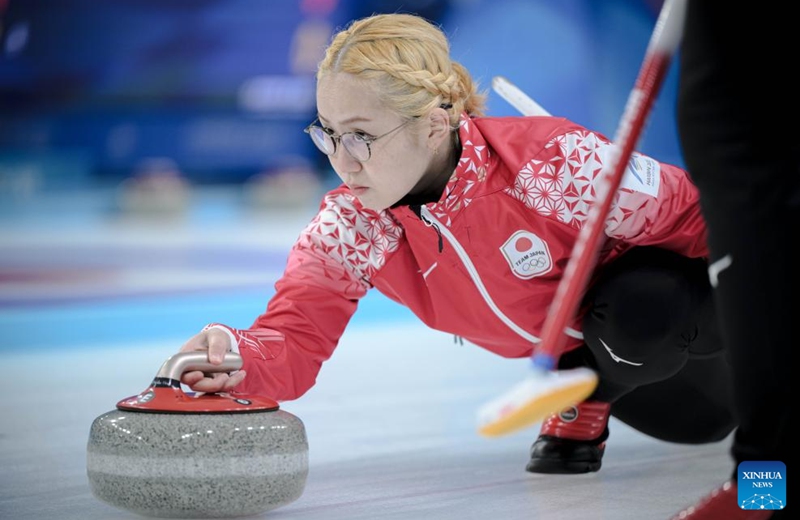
(407, 59)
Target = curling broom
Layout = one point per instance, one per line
(547, 390)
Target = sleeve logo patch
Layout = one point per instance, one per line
(642, 174)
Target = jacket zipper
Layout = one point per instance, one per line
(418, 211)
(428, 218)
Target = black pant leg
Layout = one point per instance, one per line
(652, 336)
(695, 406)
(737, 119)
(646, 313)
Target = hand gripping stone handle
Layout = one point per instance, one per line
(178, 364)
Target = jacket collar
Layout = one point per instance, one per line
(468, 175)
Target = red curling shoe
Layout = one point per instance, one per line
(572, 441)
(723, 504)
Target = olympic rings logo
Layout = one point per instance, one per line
(532, 264)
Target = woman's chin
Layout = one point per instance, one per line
(371, 203)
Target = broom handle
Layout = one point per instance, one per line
(661, 48)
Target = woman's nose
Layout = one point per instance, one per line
(343, 162)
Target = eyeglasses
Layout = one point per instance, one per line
(357, 144)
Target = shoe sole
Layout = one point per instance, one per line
(559, 467)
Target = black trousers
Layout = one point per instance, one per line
(737, 118)
(651, 334)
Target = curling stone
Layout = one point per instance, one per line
(172, 454)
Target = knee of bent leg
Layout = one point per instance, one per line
(646, 306)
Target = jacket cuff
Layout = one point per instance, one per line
(227, 330)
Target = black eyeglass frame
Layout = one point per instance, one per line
(336, 139)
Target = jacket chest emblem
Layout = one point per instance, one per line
(527, 255)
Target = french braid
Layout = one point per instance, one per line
(407, 60)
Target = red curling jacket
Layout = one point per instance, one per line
(482, 263)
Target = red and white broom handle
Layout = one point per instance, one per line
(658, 56)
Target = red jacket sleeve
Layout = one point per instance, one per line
(556, 167)
(315, 298)
(658, 205)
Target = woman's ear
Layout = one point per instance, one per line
(439, 129)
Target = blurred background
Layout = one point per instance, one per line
(153, 168)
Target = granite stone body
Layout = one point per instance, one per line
(197, 465)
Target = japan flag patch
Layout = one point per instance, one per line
(527, 255)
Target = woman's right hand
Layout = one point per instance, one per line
(217, 343)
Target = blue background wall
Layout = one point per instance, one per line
(224, 87)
